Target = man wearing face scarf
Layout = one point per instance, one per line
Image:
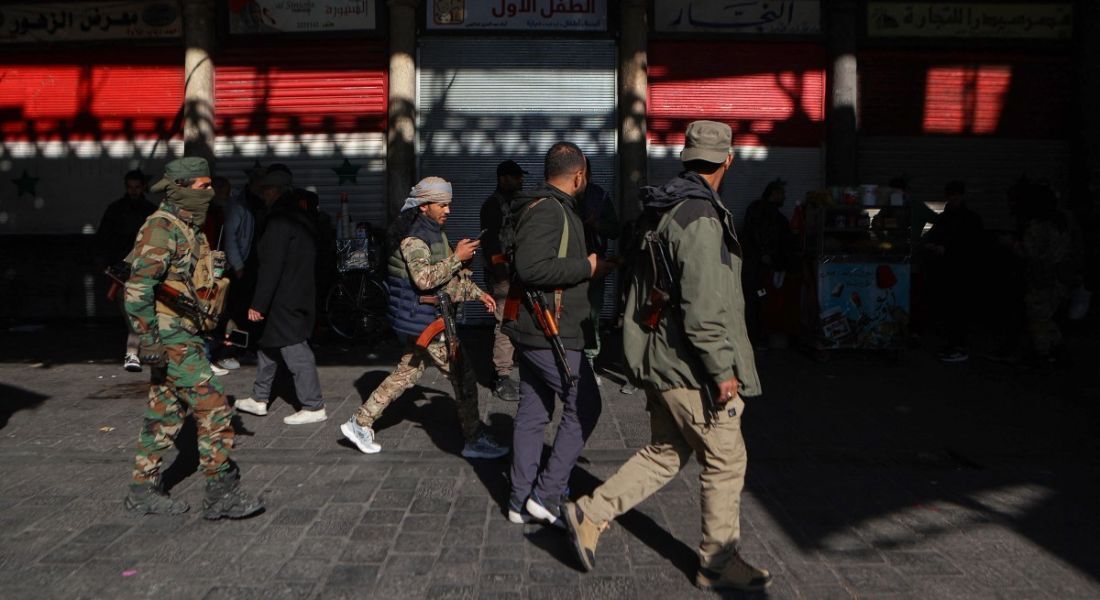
(423, 263)
(172, 250)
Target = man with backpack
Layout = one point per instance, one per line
(685, 342)
(552, 267)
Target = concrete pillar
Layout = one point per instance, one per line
(401, 129)
(633, 90)
(842, 22)
(198, 83)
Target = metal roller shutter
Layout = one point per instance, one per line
(483, 101)
(985, 118)
(772, 94)
(75, 120)
(311, 106)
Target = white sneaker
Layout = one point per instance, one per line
(546, 514)
(252, 407)
(362, 437)
(220, 372)
(229, 363)
(305, 417)
(132, 363)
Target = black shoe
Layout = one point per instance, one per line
(505, 389)
(149, 499)
(225, 499)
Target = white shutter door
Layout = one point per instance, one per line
(484, 101)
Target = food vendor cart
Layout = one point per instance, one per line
(857, 275)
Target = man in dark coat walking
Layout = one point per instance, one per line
(286, 299)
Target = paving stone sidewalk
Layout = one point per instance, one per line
(867, 479)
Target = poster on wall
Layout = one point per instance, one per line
(970, 20)
(85, 21)
(863, 305)
(756, 17)
(523, 15)
(280, 16)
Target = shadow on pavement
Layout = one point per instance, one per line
(14, 399)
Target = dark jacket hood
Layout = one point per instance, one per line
(685, 186)
(544, 190)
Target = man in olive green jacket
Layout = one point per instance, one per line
(696, 366)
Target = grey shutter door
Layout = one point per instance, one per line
(483, 101)
(988, 166)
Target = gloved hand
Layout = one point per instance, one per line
(151, 351)
(778, 278)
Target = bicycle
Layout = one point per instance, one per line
(355, 305)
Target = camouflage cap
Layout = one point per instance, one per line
(707, 141)
(188, 167)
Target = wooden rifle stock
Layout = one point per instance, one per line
(430, 332)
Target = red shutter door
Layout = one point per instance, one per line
(772, 94)
(985, 118)
(91, 95)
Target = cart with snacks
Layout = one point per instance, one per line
(857, 274)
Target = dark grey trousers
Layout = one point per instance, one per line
(540, 381)
(303, 367)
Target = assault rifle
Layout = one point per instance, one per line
(444, 323)
(548, 323)
(660, 297)
(174, 298)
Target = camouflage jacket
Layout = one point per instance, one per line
(162, 252)
(449, 272)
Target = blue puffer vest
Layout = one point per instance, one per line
(407, 315)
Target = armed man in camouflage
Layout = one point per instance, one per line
(172, 252)
(422, 264)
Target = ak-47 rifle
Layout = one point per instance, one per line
(548, 323)
(444, 323)
(176, 299)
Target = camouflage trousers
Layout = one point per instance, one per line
(168, 406)
(408, 372)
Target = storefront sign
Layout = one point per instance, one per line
(80, 21)
(970, 20)
(526, 15)
(769, 17)
(278, 16)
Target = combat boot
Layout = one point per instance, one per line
(149, 499)
(225, 498)
(584, 533)
(737, 575)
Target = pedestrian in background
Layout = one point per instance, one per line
(601, 225)
(172, 248)
(285, 301)
(118, 227)
(550, 258)
(421, 264)
(498, 272)
(695, 363)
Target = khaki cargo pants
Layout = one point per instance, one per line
(680, 427)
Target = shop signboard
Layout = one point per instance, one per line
(517, 15)
(863, 304)
(798, 17)
(1052, 21)
(297, 16)
(87, 21)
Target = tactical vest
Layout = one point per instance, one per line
(201, 284)
(407, 315)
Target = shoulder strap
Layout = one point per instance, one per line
(563, 244)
